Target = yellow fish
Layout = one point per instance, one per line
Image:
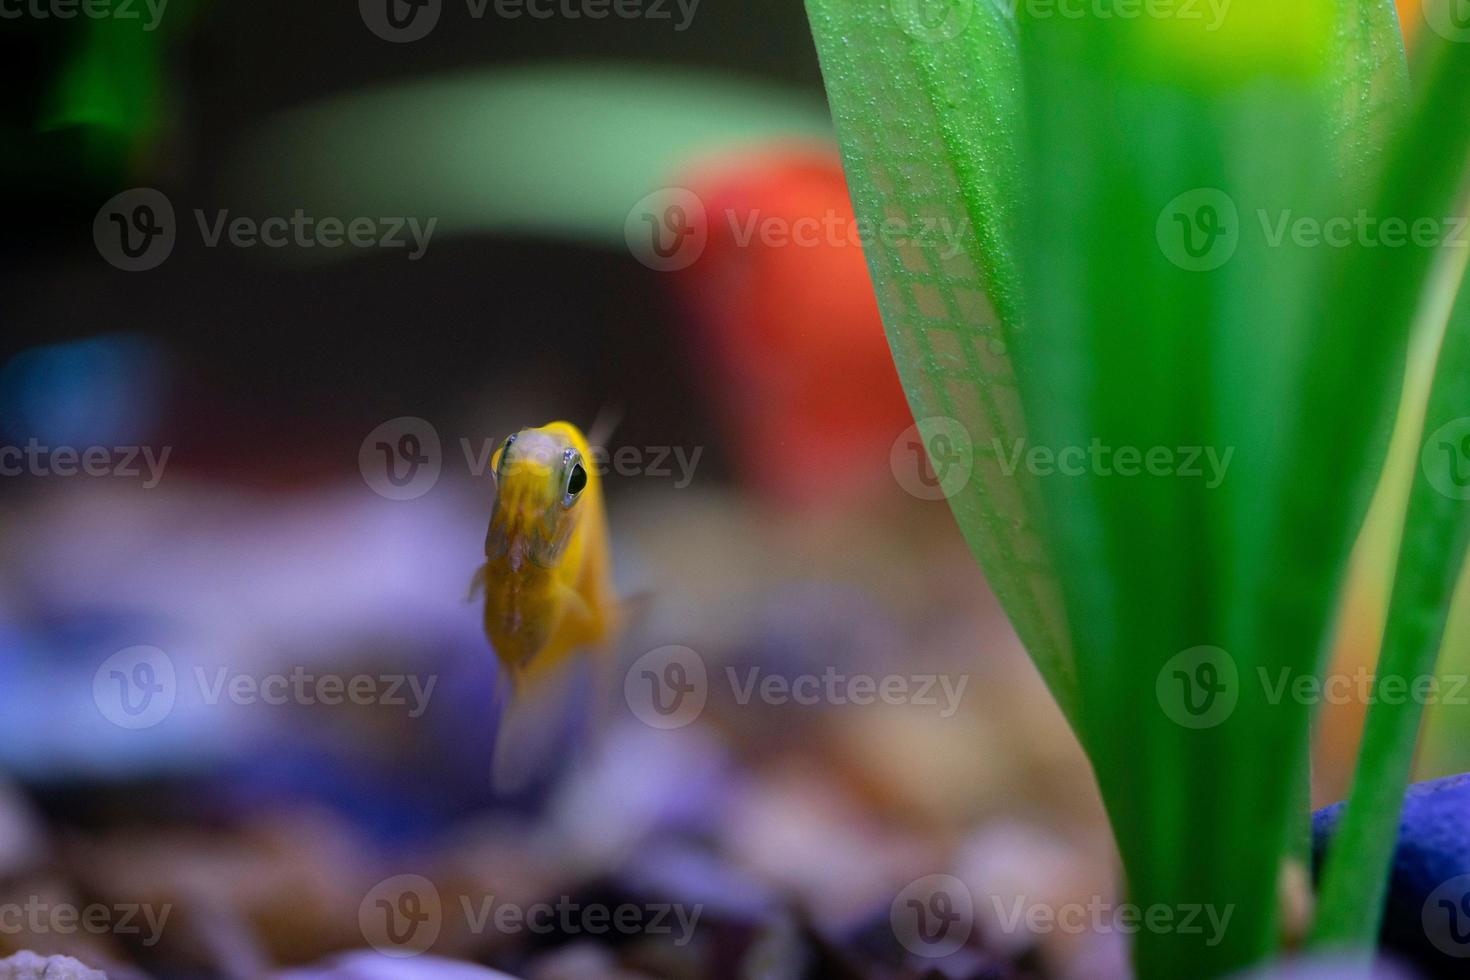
(547, 575)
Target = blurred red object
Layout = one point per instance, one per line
(1411, 14)
(789, 327)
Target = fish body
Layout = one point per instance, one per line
(547, 576)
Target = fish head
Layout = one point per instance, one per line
(542, 477)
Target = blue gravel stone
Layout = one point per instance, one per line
(1427, 917)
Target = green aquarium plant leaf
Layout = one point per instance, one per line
(927, 103)
(111, 85)
(1431, 559)
(1181, 352)
(555, 150)
(1427, 178)
(1169, 317)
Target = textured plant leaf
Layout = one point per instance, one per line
(1370, 82)
(1427, 177)
(926, 98)
(1163, 307)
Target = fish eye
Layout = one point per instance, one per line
(510, 440)
(576, 481)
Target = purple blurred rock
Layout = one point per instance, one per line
(1328, 968)
(640, 785)
(29, 966)
(367, 965)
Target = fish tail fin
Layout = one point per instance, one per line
(535, 721)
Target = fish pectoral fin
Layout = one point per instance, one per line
(579, 621)
(477, 584)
